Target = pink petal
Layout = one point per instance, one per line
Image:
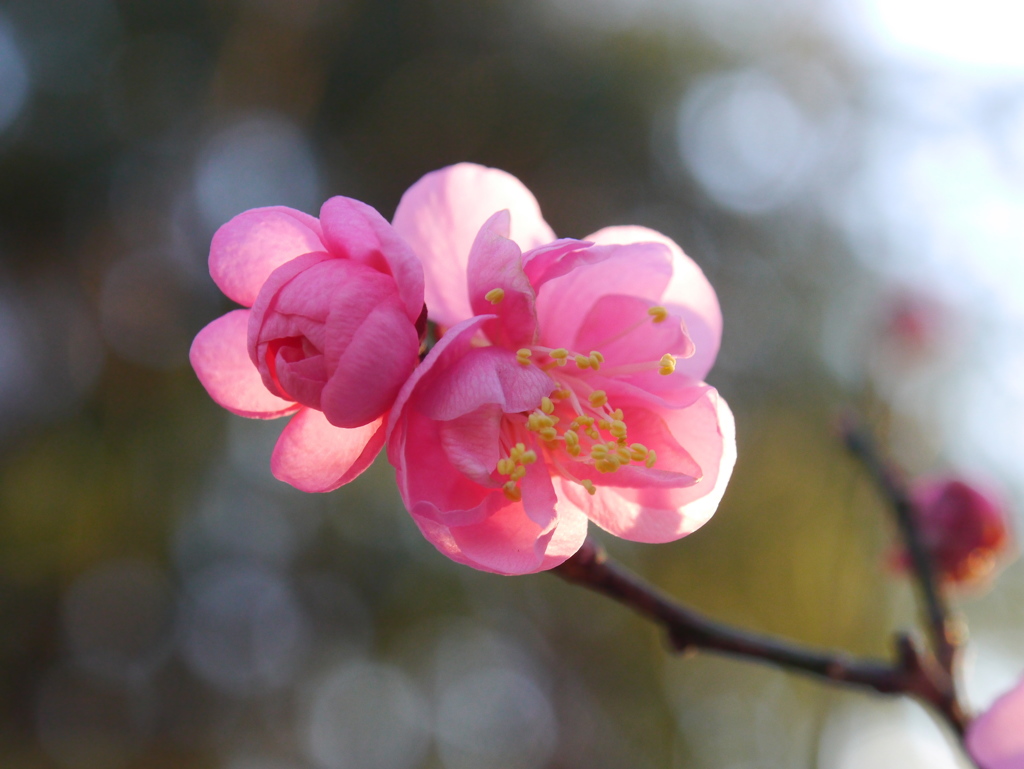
(995, 739)
(440, 216)
(431, 485)
(495, 262)
(264, 305)
(689, 293)
(641, 270)
(253, 244)
(484, 375)
(354, 230)
(621, 328)
(555, 259)
(372, 369)
(471, 443)
(449, 349)
(222, 363)
(657, 514)
(315, 456)
(509, 542)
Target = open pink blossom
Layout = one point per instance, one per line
(995, 739)
(568, 387)
(331, 335)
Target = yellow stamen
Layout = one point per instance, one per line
(623, 453)
(518, 472)
(512, 491)
(560, 356)
(598, 398)
(618, 428)
(596, 359)
(668, 364)
(548, 433)
(529, 457)
(658, 313)
(523, 356)
(546, 405)
(598, 451)
(562, 393)
(638, 452)
(617, 414)
(604, 424)
(495, 295)
(582, 361)
(651, 458)
(608, 465)
(506, 466)
(589, 486)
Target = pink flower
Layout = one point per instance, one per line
(995, 739)
(331, 336)
(567, 387)
(964, 529)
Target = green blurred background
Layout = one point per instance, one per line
(850, 179)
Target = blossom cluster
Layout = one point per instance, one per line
(566, 386)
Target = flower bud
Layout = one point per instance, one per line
(964, 529)
(333, 335)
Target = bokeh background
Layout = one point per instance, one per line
(849, 174)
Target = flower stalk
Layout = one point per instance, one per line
(941, 627)
(914, 672)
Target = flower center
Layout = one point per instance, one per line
(576, 424)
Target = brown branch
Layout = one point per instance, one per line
(913, 673)
(940, 627)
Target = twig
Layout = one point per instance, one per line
(941, 630)
(913, 673)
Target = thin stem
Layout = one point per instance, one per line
(941, 630)
(913, 673)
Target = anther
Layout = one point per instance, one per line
(548, 433)
(618, 428)
(560, 356)
(589, 486)
(608, 465)
(595, 359)
(518, 472)
(562, 393)
(638, 452)
(582, 361)
(495, 295)
(658, 314)
(506, 466)
(668, 364)
(604, 424)
(623, 453)
(598, 398)
(523, 356)
(598, 451)
(546, 405)
(512, 491)
(617, 414)
(528, 457)
(651, 458)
